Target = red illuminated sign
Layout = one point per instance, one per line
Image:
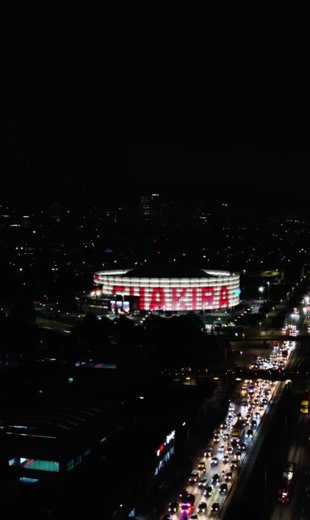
(172, 298)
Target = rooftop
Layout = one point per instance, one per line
(168, 271)
(62, 425)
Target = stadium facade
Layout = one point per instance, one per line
(169, 289)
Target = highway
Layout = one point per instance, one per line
(232, 448)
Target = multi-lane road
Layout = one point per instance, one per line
(233, 446)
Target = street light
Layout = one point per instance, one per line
(261, 290)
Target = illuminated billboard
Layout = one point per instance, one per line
(201, 290)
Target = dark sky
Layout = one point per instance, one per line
(63, 135)
(46, 155)
(260, 175)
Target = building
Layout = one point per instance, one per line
(177, 289)
(53, 439)
(149, 205)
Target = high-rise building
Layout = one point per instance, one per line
(149, 205)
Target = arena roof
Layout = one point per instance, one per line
(159, 271)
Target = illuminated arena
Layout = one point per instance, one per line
(176, 289)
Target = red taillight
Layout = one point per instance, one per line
(187, 508)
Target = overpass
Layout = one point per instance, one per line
(274, 337)
(246, 373)
(274, 375)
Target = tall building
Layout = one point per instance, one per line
(149, 205)
(55, 211)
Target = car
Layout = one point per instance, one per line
(173, 507)
(228, 476)
(223, 489)
(215, 478)
(194, 476)
(215, 507)
(234, 464)
(221, 448)
(167, 517)
(243, 446)
(225, 459)
(249, 433)
(201, 466)
(208, 491)
(202, 507)
(187, 505)
(235, 442)
(202, 483)
(194, 516)
(208, 453)
(214, 461)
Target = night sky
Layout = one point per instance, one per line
(248, 175)
(77, 170)
(61, 132)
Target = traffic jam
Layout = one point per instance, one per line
(216, 471)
